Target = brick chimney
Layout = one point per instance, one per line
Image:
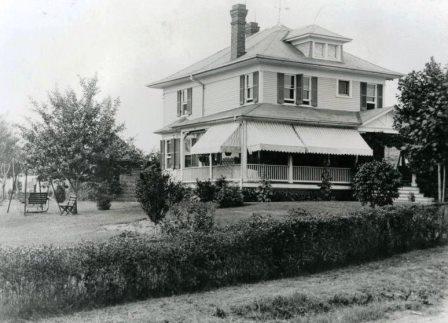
(238, 38)
(252, 28)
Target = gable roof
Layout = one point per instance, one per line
(269, 45)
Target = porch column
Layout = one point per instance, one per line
(243, 143)
(182, 156)
(414, 180)
(290, 169)
(210, 167)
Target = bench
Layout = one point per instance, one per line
(38, 200)
(69, 207)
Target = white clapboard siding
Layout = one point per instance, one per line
(222, 95)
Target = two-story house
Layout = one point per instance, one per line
(280, 104)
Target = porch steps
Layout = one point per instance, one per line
(406, 193)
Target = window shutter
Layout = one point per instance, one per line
(176, 153)
(280, 88)
(256, 87)
(314, 91)
(190, 100)
(363, 96)
(179, 95)
(379, 89)
(242, 89)
(299, 89)
(162, 154)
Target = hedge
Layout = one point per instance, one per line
(49, 280)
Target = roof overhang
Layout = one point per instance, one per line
(309, 36)
(382, 122)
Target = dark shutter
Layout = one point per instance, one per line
(314, 91)
(363, 87)
(299, 89)
(176, 153)
(379, 89)
(242, 79)
(280, 88)
(255, 89)
(190, 100)
(162, 154)
(179, 108)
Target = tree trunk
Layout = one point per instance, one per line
(439, 182)
(443, 182)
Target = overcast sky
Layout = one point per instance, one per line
(129, 43)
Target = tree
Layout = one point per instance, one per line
(8, 150)
(422, 120)
(76, 137)
(325, 184)
(376, 183)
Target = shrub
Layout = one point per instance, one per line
(376, 183)
(189, 215)
(325, 185)
(264, 191)
(59, 193)
(103, 198)
(249, 194)
(132, 267)
(156, 192)
(205, 190)
(229, 196)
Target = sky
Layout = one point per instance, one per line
(46, 44)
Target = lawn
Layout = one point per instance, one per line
(371, 291)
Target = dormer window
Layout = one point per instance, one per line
(290, 88)
(332, 51)
(319, 50)
(249, 85)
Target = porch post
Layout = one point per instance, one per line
(414, 180)
(243, 139)
(290, 169)
(210, 162)
(182, 156)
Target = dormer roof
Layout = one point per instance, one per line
(315, 31)
(269, 46)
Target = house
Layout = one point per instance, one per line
(280, 104)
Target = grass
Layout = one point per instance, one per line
(370, 291)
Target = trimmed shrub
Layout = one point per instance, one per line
(376, 183)
(189, 215)
(249, 194)
(36, 281)
(205, 190)
(156, 192)
(264, 191)
(229, 196)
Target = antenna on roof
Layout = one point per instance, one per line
(280, 10)
(318, 13)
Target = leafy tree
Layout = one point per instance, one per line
(422, 120)
(76, 137)
(8, 151)
(376, 183)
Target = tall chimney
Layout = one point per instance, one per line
(252, 28)
(238, 38)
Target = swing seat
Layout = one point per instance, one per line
(39, 201)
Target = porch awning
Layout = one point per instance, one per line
(218, 138)
(273, 137)
(336, 141)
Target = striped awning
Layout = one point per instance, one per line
(218, 138)
(273, 137)
(335, 141)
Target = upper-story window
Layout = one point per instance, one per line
(344, 88)
(332, 51)
(290, 88)
(249, 83)
(319, 50)
(306, 95)
(184, 102)
(371, 96)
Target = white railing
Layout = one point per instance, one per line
(314, 174)
(256, 172)
(277, 173)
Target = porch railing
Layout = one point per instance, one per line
(276, 173)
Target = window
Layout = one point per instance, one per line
(184, 102)
(169, 158)
(319, 50)
(371, 96)
(189, 141)
(306, 95)
(290, 89)
(333, 51)
(343, 88)
(249, 88)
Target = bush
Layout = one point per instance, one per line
(59, 193)
(325, 185)
(189, 215)
(156, 192)
(131, 267)
(229, 196)
(264, 191)
(376, 183)
(205, 190)
(103, 198)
